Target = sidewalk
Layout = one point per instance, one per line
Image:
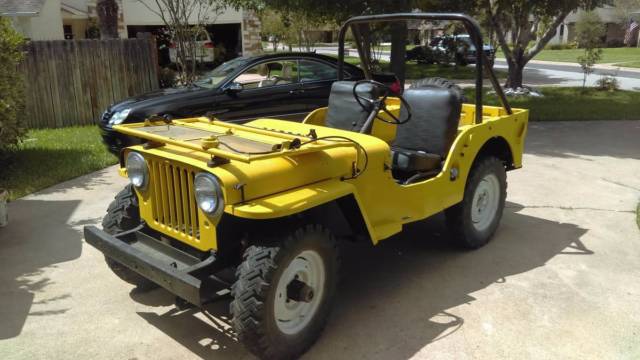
(609, 66)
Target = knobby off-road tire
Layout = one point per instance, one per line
(268, 324)
(439, 83)
(123, 214)
(474, 221)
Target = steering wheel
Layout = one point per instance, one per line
(380, 103)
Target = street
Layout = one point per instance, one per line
(559, 280)
(539, 73)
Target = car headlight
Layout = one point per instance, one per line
(137, 170)
(119, 117)
(208, 194)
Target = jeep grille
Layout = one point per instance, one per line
(173, 204)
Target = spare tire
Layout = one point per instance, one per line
(436, 82)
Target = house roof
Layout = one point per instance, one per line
(20, 7)
(73, 11)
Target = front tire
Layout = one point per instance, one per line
(284, 292)
(124, 214)
(474, 221)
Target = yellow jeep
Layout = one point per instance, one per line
(272, 199)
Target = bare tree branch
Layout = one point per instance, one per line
(551, 31)
(185, 20)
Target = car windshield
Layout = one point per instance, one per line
(217, 76)
(467, 41)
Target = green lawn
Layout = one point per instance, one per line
(633, 64)
(50, 156)
(611, 55)
(570, 103)
(418, 71)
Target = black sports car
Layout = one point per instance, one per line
(282, 85)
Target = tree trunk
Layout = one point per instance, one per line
(515, 78)
(107, 11)
(365, 34)
(398, 50)
(517, 61)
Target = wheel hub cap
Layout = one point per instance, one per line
(299, 292)
(485, 202)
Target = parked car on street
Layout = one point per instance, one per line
(283, 85)
(449, 49)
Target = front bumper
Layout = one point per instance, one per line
(183, 274)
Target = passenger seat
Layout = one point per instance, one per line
(422, 144)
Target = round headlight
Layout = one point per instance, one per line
(137, 170)
(208, 193)
(119, 117)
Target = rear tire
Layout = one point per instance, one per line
(474, 221)
(124, 214)
(439, 83)
(273, 318)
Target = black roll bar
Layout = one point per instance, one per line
(472, 28)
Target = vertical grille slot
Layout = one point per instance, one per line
(173, 198)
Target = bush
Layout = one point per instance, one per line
(167, 78)
(615, 43)
(568, 46)
(11, 86)
(607, 83)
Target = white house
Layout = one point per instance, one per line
(239, 30)
(35, 19)
(616, 27)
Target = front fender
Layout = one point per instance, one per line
(297, 200)
(292, 201)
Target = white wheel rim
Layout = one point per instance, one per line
(485, 202)
(293, 316)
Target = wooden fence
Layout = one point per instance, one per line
(71, 82)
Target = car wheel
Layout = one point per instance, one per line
(123, 214)
(474, 221)
(284, 292)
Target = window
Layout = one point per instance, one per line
(202, 37)
(269, 74)
(218, 75)
(68, 32)
(315, 71)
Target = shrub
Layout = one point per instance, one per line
(11, 86)
(615, 43)
(167, 78)
(607, 83)
(567, 46)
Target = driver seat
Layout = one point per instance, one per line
(424, 142)
(343, 111)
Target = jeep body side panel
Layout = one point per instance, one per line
(387, 205)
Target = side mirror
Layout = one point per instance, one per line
(234, 88)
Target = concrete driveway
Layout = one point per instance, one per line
(561, 279)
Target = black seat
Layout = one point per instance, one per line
(343, 111)
(423, 143)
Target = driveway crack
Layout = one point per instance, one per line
(570, 208)
(621, 184)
